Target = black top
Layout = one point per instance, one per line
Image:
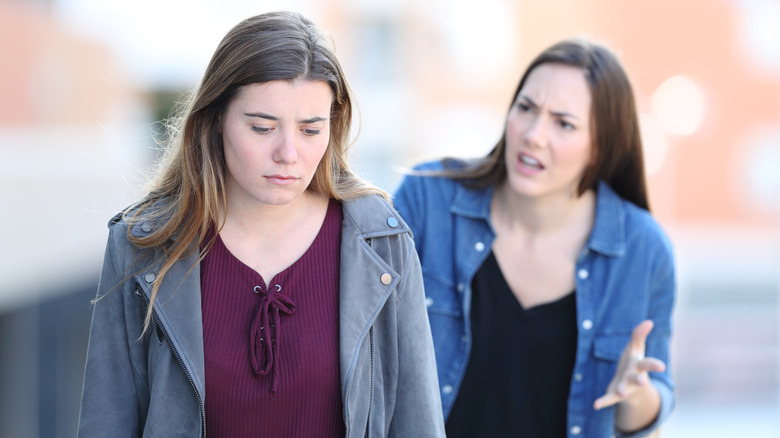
(517, 379)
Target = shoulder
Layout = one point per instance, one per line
(642, 232)
(138, 220)
(372, 216)
(373, 221)
(641, 223)
(430, 180)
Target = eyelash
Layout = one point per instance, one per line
(523, 107)
(565, 125)
(266, 130)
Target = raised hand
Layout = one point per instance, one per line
(631, 374)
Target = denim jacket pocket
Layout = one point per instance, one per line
(440, 295)
(610, 347)
(607, 349)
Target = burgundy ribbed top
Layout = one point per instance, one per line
(290, 386)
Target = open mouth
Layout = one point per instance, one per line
(530, 162)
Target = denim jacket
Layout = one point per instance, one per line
(625, 274)
(154, 386)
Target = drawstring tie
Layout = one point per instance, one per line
(264, 346)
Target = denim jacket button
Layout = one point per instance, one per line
(428, 301)
(587, 324)
(146, 227)
(583, 274)
(578, 377)
(447, 389)
(149, 277)
(479, 246)
(385, 278)
(575, 430)
(393, 222)
(461, 287)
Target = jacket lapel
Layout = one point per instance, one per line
(366, 280)
(178, 310)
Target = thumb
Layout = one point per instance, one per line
(639, 335)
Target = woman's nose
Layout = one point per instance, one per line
(285, 151)
(536, 132)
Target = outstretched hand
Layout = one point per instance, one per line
(631, 373)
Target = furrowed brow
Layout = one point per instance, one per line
(313, 120)
(262, 116)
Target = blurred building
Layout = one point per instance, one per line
(83, 85)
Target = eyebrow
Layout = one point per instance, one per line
(555, 113)
(314, 119)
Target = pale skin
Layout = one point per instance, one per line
(274, 136)
(542, 225)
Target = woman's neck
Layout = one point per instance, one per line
(541, 215)
(255, 219)
(269, 238)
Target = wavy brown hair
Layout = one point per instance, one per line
(190, 177)
(618, 157)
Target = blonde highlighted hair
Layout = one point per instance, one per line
(190, 177)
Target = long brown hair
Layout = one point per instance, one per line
(618, 159)
(190, 177)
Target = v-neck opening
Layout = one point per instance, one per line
(284, 272)
(536, 308)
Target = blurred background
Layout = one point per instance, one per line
(84, 84)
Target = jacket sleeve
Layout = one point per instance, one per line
(408, 200)
(109, 404)
(661, 306)
(418, 410)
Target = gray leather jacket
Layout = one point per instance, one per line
(154, 386)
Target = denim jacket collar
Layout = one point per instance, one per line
(472, 203)
(607, 238)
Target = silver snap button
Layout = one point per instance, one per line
(386, 278)
(587, 324)
(578, 377)
(149, 277)
(461, 287)
(447, 389)
(393, 222)
(428, 301)
(576, 430)
(479, 246)
(583, 274)
(146, 226)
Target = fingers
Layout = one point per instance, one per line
(606, 400)
(650, 364)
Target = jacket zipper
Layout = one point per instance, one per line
(141, 294)
(371, 370)
(371, 380)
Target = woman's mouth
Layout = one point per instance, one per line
(531, 162)
(280, 180)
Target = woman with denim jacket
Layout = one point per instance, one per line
(549, 285)
(261, 288)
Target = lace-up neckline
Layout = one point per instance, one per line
(265, 333)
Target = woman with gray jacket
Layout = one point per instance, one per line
(261, 288)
